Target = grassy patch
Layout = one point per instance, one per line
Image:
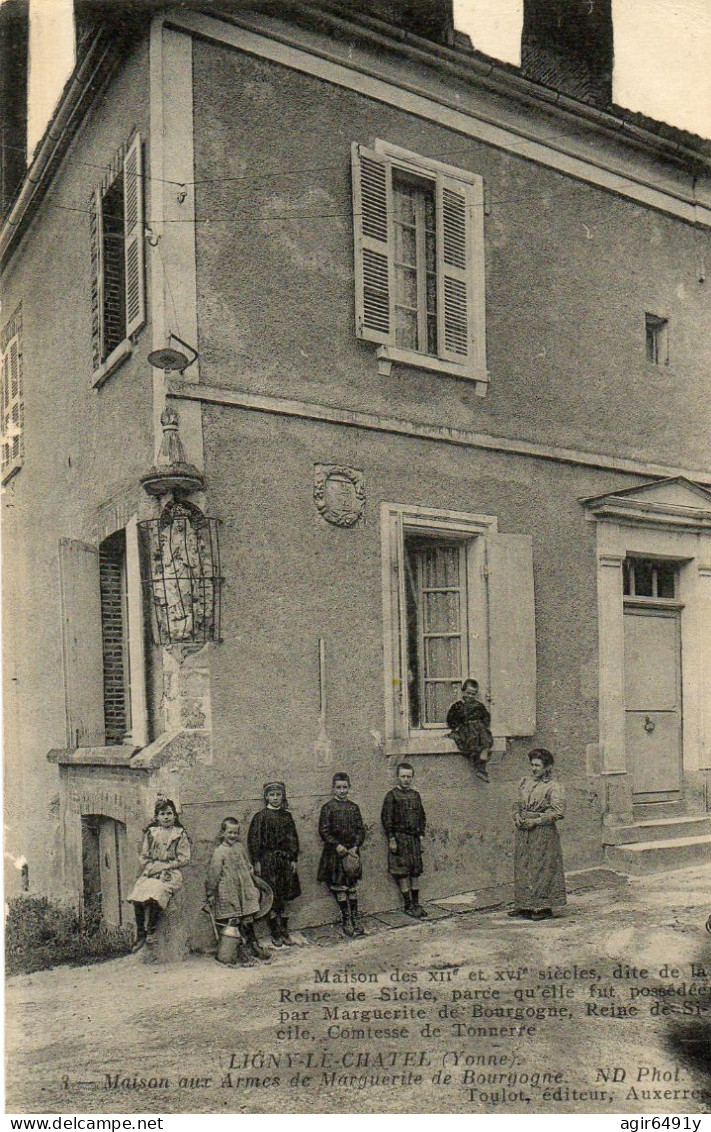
(40, 934)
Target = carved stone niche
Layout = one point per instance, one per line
(339, 494)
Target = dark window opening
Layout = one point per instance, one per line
(114, 311)
(657, 339)
(115, 638)
(648, 577)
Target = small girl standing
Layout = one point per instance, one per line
(231, 891)
(342, 831)
(165, 851)
(274, 849)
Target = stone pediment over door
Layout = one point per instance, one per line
(677, 503)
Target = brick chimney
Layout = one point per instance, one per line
(568, 45)
(14, 33)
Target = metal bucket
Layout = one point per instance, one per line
(229, 945)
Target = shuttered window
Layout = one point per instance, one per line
(419, 261)
(104, 662)
(11, 400)
(117, 253)
(114, 638)
(458, 602)
(436, 609)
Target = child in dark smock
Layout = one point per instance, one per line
(273, 845)
(470, 721)
(342, 831)
(231, 891)
(403, 818)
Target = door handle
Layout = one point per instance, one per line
(649, 725)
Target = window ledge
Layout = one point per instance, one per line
(115, 359)
(115, 755)
(434, 743)
(11, 470)
(386, 355)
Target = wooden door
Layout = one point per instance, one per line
(653, 703)
(111, 835)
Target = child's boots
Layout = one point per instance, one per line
(417, 910)
(274, 931)
(284, 932)
(408, 906)
(358, 928)
(251, 943)
(347, 922)
(244, 957)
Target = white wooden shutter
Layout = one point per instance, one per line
(512, 634)
(134, 243)
(14, 430)
(5, 405)
(96, 229)
(11, 403)
(136, 638)
(373, 245)
(81, 637)
(398, 627)
(454, 276)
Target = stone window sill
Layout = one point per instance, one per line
(116, 358)
(386, 355)
(432, 743)
(12, 469)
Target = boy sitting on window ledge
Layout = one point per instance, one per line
(469, 722)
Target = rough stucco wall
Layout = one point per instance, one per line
(83, 446)
(292, 578)
(571, 271)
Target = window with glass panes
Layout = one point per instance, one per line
(651, 578)
(436, 603)
(415, 228)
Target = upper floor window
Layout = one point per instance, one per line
(656, 331)
(117, 255)
(11, 441)
(419, 261)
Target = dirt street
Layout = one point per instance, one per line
(606, 1009)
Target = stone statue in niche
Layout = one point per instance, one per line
(183, 575)
(339, 494)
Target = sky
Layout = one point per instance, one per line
(662, 54)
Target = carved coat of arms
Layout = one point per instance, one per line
(339, 494)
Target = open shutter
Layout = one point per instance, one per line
(137, 636)
(396, 662)
(81, 638)
(454, 277)
(373, 245)
(5, 399)
(134, 245)
(97, 279)
(512, 634)
(14, 430)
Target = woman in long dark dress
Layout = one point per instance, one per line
(342, 831)
(273, 845)
(539, 882)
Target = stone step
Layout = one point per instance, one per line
(650, 811)
(641, 857)
(661, 829)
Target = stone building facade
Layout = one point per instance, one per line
(449, 406)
